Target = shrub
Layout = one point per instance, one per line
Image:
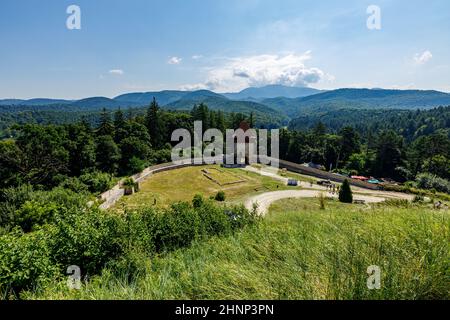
(23, 205)
(97, 182)
(418, 198)
(438, 165)
(214, 220)
(87, 240)
(241, 217)
(430, 181)
(322, 201)
(345, 193)
(128, 183)
(136, 165)
(34, 213)
(162, 155)
(197, 201)
(220, 196)
(93, 239)
(74, 184)
(25, 260)
(177, 227)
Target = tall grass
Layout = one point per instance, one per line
(297, 252)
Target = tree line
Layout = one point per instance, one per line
(82, 156)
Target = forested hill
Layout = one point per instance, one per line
(408, 123)
(26, 111)
(359, 99)
(335, 108)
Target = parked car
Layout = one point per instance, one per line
(324, 182)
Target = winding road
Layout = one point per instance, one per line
(264, 200)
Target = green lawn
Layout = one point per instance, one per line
(182, 184)
(298, 252)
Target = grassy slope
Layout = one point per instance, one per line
(297, 252)
(183, 184)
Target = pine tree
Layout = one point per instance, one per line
(106, 127)
(119, 126)
(212, 119)
(345, 193)
(85, 124)
(220, 121)
(119, 119)
(130, 114)
(204, 116)
(251, 120)
(155, 124)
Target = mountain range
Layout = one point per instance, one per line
(280, 103)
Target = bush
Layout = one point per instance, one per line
(197, 201)
(128, 183)
(438, 165)
(177, 227)
(27, 207)
(34, 213)
(214, 220)
(420, 192)
(136, 165)
(345, 193)
(87, 240)
(74, 184)
(97, 181)
(93, 239)
(25, 261)
(322, 201)
(220, 196)
(430, 181)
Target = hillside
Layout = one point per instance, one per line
(271, 112)
(33, 102)
(272, 91)
(144, 98)
(262, 113)
(408, 123)
(298, 252)
(360, 99)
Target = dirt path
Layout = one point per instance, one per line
(264, 200)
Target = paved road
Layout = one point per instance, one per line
(264, 200)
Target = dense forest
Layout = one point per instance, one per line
(408, 123)
(401, 145)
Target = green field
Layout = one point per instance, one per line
(298, 252)
(182, 184)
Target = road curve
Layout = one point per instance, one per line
(264, 200)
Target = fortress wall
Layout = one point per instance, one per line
(110, 197)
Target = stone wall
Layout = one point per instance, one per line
(110, 197)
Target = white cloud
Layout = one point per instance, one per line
(118, 72)
(238, 73)
(409, 86)
(174, 60)
(423, 58)
(197, 56)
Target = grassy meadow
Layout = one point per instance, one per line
(182, 184)
(298, 251)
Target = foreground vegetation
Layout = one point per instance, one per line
(298, 252)
(93, 240)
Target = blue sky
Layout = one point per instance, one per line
(223, 45)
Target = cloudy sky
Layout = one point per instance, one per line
(222, 45)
